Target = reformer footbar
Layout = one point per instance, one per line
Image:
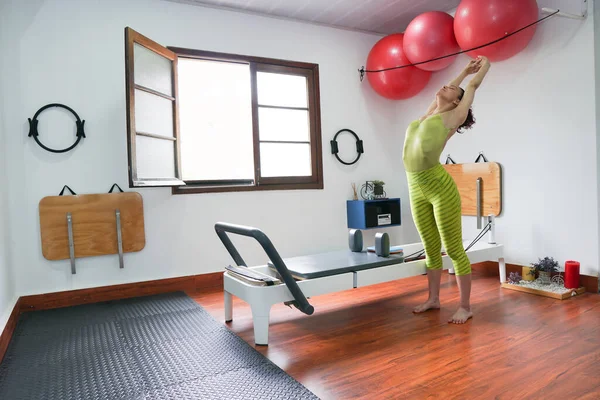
(301, 303)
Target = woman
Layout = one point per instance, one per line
(434, 197)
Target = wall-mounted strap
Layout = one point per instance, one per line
(481, 156)
(63, 190)
(113, 188)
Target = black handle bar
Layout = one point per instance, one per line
(222, 228)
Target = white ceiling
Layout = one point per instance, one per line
(376, 16)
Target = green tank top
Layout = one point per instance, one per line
(424, 143)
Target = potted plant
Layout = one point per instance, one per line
(514, 278)
(378, 187)
(545, 267)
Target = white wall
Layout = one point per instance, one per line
(596, 15)
(73, 52)
(7, 289)
(536, 116)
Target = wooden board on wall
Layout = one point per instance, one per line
(466, 175)
(94, 224)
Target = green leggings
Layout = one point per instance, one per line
(436, 209)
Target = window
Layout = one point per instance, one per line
(209, 122)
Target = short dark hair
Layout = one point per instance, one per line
(470, 120)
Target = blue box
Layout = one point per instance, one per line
(370, 214)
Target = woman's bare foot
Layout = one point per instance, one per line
(429, 305)
(461, 316)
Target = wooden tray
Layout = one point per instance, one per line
(94, 224)
(466, 175)
(538, 292)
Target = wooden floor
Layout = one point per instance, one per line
(366, 343)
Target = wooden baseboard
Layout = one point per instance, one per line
(9, 329)
(106, 293)
(590, 283)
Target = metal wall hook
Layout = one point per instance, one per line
(558, 13)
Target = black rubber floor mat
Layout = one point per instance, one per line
(155, 347)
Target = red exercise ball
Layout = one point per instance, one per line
(478, 22)
(399, 83)
(429, 36)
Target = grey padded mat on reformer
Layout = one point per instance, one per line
(336, 262)
(154, 347)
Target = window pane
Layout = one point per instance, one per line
(281, 124)
(155, 157)
(282, 90)
(153, 114)
(215, 120)
(285, 159)
(152, 70)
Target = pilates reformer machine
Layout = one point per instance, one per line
(292, 281)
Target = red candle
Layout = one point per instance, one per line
(571, 274)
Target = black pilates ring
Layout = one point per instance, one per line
(335, 150)
(33, 128)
